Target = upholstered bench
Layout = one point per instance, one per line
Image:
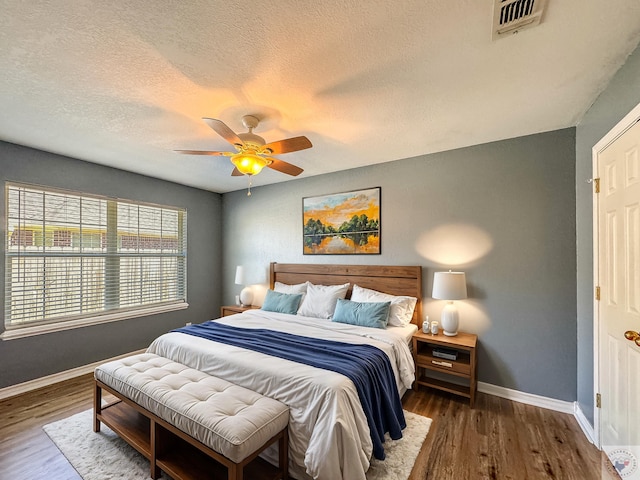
(170, 413)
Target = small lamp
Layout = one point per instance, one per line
(449, 286)
(246, 295)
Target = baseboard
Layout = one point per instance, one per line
(585, 425)
(36, 383)
(528, 398)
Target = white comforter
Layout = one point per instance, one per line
(329, 436)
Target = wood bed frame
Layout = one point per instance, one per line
(391, 279)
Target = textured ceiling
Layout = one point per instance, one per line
(123, 83)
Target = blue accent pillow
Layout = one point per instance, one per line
(282, 302)
(366, 314)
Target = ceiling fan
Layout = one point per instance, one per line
(252, 152)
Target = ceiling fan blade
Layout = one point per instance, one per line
(289, 145)
(225, 132)
(203, 152)
(284, 167)
(236, 173)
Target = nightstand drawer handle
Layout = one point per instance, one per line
(442, 364)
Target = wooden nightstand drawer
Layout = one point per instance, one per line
(447, 365)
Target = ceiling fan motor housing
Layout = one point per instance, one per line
(252, 140)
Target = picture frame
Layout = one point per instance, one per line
(346, 223)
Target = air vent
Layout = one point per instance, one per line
(511, 16)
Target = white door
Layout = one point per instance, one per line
(618, 167)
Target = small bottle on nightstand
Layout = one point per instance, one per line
(425, 324)
(434, 328)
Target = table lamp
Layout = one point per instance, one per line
(449, 286)
(246, 295)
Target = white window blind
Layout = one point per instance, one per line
(71, 255)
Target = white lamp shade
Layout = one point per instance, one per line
(240, 275)
(449, 286)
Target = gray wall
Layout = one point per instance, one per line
(502, 212)
(620, 97)
(33, 357)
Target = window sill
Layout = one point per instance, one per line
(85, 322)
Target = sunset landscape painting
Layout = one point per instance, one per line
(342, 223)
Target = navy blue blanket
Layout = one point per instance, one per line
(367, 366)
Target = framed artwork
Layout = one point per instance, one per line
(342, 223)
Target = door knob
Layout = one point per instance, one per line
(632, 336)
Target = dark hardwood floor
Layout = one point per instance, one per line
(496, 440)
(500, 439)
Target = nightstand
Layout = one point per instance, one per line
(464, 366)
(227, 310)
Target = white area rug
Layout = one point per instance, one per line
(105, 456)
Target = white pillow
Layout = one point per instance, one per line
(320, 300)
(284, 288)
(401, 310)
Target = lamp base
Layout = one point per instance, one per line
(246, 297)
(450, 320)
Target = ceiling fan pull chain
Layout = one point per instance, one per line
(249, 191)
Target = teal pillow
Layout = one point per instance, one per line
(282, 302)
(366, 314)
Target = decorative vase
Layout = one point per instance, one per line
(450, 320)
(246, 297)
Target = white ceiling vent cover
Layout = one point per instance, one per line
(511, 16)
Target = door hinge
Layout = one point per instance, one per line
(598, 400)
(596, 183)
(598, 293)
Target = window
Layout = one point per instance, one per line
(71, 256)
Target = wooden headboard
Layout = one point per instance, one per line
(391, 279)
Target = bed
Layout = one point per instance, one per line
(329, 435)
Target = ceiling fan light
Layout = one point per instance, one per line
(248, 163)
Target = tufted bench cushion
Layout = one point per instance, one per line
(229, 419)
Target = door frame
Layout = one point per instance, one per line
(620, 128)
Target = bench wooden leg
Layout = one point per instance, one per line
(283, 450)
(158, 447)
(97, 406)
(235, 471)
